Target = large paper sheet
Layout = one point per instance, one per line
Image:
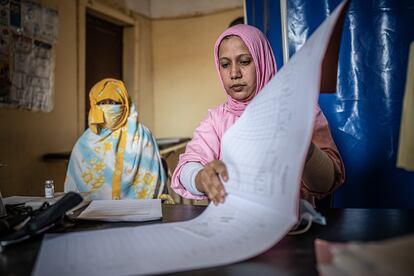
(264, 153)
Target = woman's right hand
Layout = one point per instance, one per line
(208, 181)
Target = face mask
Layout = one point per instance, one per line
(112, 114)
(307, 215)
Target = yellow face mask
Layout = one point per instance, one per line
(112, 114)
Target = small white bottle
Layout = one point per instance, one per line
(49, 189)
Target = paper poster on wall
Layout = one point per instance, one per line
(26, 55)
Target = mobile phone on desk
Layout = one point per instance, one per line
(42, 220)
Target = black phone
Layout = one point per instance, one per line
(41, 220)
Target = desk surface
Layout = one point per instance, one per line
(293, 255)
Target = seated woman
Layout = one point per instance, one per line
(245, 64)
(116, 157)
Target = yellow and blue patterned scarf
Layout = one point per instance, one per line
(116, 157)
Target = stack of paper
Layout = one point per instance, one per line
(123, 210)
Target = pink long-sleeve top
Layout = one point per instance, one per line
(205, 147)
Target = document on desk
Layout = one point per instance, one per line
(264, 152)
(123, 210)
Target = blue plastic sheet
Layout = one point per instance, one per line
(365, 113)
(261, 14)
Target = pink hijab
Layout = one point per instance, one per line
(263, 59)
(205, 145)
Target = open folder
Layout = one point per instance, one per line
(123, 210)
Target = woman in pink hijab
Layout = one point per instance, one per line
(245, 63)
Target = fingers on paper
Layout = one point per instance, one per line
(213, 186)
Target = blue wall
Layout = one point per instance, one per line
(365, 113)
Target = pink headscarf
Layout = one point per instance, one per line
(262, 55)
(205, 145)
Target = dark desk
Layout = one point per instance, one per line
(293, 255)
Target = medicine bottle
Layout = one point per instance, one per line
(49, 189)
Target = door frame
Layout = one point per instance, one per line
(130, 50)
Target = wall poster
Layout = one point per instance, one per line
(27, 61)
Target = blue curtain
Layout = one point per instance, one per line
(261, 14)
(365, 113)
